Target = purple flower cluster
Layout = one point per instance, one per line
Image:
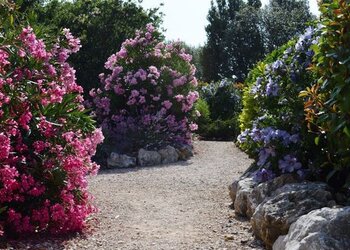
(263, 175)
(272, 144)
(272, 88)
(264, 155)
(277, 65)
(289, 164)
(268, 138)
(270, 85)
(267, 135)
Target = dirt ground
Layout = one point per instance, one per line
(177, 206)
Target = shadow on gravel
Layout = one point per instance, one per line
(105, 171)
(44, 241)
(36, 242)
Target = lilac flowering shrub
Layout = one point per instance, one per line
(46, 137)
(147, 97)
(273, 125)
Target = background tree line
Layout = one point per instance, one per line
(101, 25)
(240, 33)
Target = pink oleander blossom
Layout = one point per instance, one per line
(193, 126)
(4, 146)
(152, 93)
(46, 139)
(167, 104)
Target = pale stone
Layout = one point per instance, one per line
(275, 214)
(149, 158)
(169, 155)
(121, 161)
(321, 229)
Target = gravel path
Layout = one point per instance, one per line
(176, 206)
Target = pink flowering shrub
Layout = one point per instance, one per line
(148, 96)
(46, 137)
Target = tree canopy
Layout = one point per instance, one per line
(102, 25)
(240, 33)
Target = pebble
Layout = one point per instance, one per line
(229, 237)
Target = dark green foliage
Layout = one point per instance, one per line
(240, 33)
(327, 105)
(27, 4)
(243, 42)
(284, 19)
(223, 98)
(203, 120)
(234, 40)
(223, 129)
(219, 107)
(102, 25)
(215, 57)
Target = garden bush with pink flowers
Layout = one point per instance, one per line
(46, 137)
(146, 99)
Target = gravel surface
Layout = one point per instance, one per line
(177, 206)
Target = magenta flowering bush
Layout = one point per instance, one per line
(147, 97)
(46, 137)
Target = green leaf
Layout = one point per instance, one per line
(11, 20)
(3, 209)
(331, 174)
(337, 128)
(345, 61)
(317, 140)
(346, 130)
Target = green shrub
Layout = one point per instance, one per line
(223, 99)
(327, 105)
(223, 129)
(274, 130)
(202, 116)
(250, 108)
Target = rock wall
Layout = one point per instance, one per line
(284, 209)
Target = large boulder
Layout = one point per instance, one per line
(148, 158)
(275, 214)
(121, 161)
(322, 229)
(266, 189)
(239, 192)
(169, 155)
(247, 194)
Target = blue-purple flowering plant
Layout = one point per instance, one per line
(272, 122)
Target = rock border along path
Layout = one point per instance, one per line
(184, 205)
